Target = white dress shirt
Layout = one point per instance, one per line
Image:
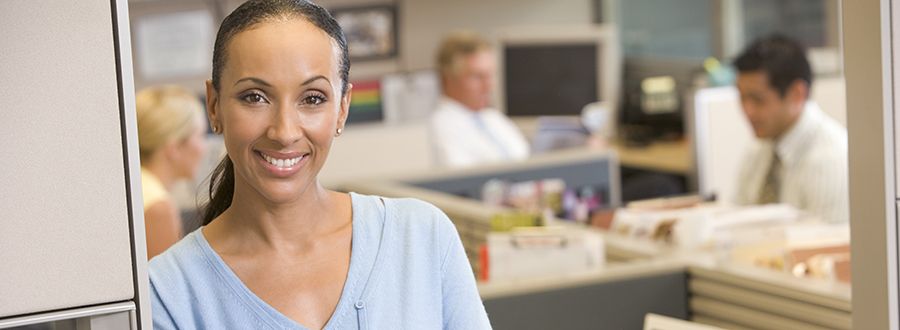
(464, 137)
(813, 174)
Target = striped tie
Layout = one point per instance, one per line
(770, 189)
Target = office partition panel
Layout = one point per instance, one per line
(71, 228)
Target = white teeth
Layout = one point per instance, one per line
(282, 162)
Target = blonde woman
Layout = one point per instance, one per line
(171, 127)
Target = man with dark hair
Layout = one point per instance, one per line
(800, 156)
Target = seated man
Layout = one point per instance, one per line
(465, 130)
(800, 157)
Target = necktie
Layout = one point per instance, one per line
(772, 184)
(483, 127)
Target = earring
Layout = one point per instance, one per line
(339, 131)
(216, 129)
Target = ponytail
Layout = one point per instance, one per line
(221, 191)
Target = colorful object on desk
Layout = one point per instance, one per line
(718, 74)
(493, 192)
(528, 196)
(365, 105)
(507, 221)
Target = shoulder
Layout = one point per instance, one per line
(411, 216)
(828, 141)
(172, 270)
(824, 131)
(152, 189)
(411, 209)
(445, 108)
(160, 209)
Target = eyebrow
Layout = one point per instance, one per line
(262, 82)
(255, 80)
(310, 80)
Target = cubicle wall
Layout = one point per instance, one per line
(617, 303)
(601, 172)
(457, 192)
(72, 234)
(644, 278)
(738, 300)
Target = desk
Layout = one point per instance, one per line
(683, 285)
(651, 277)
(672, 157)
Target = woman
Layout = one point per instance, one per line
(276, 249)
(171, 131)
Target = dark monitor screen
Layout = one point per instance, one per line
(548, 80)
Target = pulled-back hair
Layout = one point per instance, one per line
(782, 58)
(165, 113)
(247, 16)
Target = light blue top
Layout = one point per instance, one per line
(408, 270)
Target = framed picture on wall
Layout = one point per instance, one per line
(371, 31)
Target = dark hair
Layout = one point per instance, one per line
(245, 17)
(782, 58)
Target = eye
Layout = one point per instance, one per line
(253, 98)
(314, 99)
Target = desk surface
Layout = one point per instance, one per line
(664, 156)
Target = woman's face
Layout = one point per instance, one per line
(279, 106)
(192, 150)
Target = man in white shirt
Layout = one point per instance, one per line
(466, 131)
(800, 156)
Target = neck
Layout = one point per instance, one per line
(253, 221)
(460, 101)
(791, 123)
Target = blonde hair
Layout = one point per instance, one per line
(165, 113)
(457, 45)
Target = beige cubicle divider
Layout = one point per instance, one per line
(644, 277)
(472, 217)
(71, 234)
(736, 297)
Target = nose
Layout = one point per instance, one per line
(749, 109)
(285, 126)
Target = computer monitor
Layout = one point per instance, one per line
(720, 134)
(557, 70)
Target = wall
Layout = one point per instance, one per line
(422, 23)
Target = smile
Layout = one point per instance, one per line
(282, 162)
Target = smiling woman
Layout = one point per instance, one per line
(277, 250)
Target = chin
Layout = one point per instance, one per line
(285, 192)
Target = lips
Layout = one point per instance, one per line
(282, 162)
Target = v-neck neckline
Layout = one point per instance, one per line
(276, 318)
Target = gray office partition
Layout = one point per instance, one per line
(613, 305)
(72, 232)
(577, 168)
